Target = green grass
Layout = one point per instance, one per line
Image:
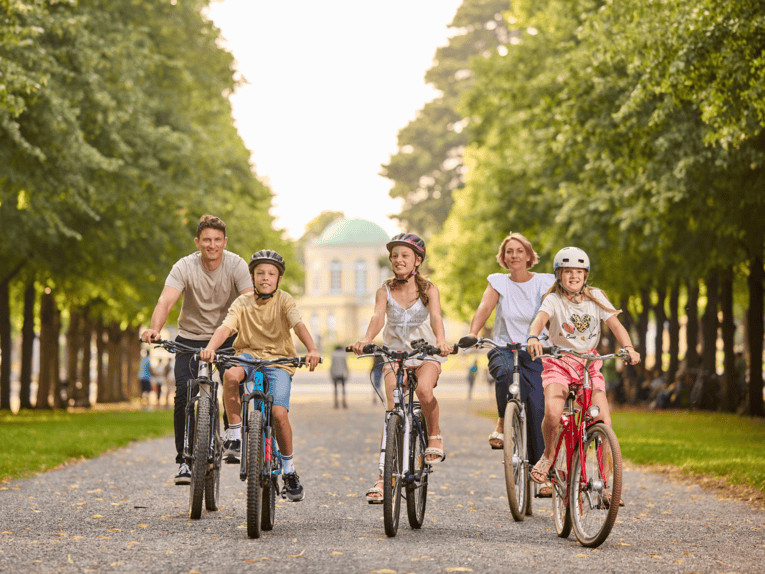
(715, 444)
(35, 441)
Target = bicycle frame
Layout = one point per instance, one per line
(411, 422)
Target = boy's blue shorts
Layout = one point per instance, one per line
(279, 382)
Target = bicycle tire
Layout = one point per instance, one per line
(392, 474)
(417, 491)
(270, 488)
(561, 513)
(514, 461)
(212, 477)
(254, 473)
(593, 512)
(200, 450)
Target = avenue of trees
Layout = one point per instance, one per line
(116, 135)
(632, 129)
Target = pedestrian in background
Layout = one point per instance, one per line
(338, 370)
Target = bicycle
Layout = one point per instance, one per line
(260, 459)
(518, 481)
(405, 439)
(587, 470)
(202, 420)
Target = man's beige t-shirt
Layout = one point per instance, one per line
(264, 330)
(207, 295)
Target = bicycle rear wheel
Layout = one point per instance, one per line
(561, 514)
(212, 476)
(594, 504)
(392, 474)
(200, 450)
(254, 472)
(515, 462)
(417, 491)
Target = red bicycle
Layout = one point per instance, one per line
(587, 472)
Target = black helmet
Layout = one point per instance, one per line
(267, 256)
(410, 240)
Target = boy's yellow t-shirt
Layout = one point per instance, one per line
(264, 330)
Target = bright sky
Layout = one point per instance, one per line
(330, 85)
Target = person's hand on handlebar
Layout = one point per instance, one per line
(149, 335)
(534, 347)
(445, 347)
(207, 355)
(634, 355)
(312, 358)
(358, 346)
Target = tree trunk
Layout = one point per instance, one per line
(101, 346)
(730, 395)
(133, 361)
(660, 316)
(692, 327)
(27, 347)
(6, 347)
(642, 322)
(58, 401)
(73, 340)
(755, 406)
(710, 326)
(82, 391)
(47, 346)
(626, 317)
(674, 333)
(114, 380)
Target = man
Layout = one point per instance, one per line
(210, 280)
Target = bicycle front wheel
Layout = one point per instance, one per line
(200, 451)
(417, 491)
(594, 501)
(270, 489)
(516, 475)
(561, 514)
(392, 474)
(254, 472)
(212, 476)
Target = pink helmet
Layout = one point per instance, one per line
(409, 240)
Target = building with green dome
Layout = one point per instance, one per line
(344, 267)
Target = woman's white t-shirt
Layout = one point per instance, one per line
(576, 326)
(518, 304)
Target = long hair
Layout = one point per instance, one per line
(558, 289)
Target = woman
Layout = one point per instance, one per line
(516, 297)
(408, 306)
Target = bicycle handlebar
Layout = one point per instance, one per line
(421, 348)
(229, 361)
(469, 341)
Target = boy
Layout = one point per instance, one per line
(263, 320)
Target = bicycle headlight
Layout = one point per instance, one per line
(594, 411)
(515, 388)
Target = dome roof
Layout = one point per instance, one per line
(352, 232)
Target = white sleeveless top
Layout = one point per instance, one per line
(402, 326)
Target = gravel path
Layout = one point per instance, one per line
(122, 513)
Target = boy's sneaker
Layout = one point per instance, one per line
(292, 489)
(184, 475)
(232, 450)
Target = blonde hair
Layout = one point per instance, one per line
(533, 259)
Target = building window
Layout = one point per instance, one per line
(335, 277)
(361, 276)
(331, 326)
(316, 277)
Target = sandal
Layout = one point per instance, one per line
(607, 499)
(375, 494)
(541, 470)
(497, 436)
(545, 491)
(433, 451)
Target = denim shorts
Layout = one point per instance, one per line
(279, 382)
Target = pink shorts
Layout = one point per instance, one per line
(571, 370)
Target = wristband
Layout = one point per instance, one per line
(532, 337)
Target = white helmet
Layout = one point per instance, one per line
(571, 257)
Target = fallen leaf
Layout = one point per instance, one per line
(336, 553)
(581, 555)
(97, 516)
(297, 555)
(70, 559)
(458, 569)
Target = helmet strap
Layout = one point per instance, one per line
(266, 296)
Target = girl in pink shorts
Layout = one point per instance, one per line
(574, 312)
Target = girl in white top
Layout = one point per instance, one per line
(573, 312)
(408, 306)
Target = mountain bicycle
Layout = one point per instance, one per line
(518, 481)
(202, 444)
(260, 461)
(405, 439)
(587, 470)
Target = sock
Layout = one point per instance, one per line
(289, 467)
(235, 431)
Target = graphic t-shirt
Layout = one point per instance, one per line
(264, 330)
(207, 295)
(576, 326)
